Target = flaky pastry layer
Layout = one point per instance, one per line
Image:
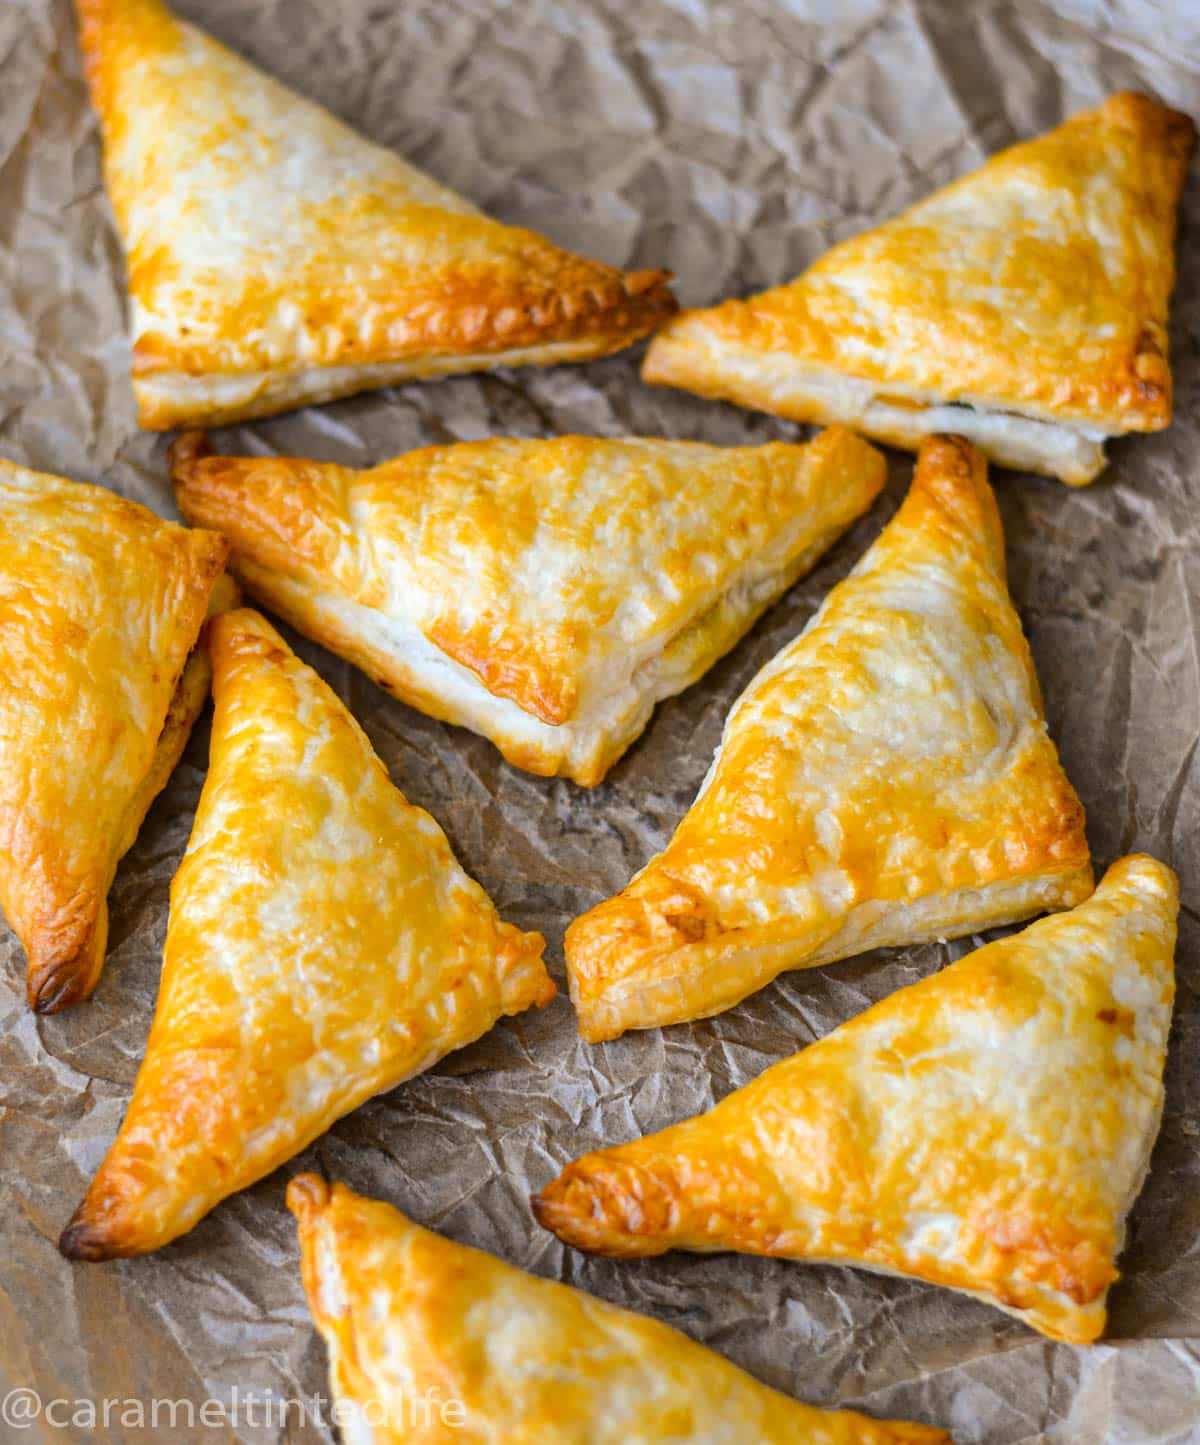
(887, 778)
(323, 944)
(101, 604)
(1024, 306)
(986, 1129)
(546, 594)
(276, 257)
(789, 387)
(409, 1317)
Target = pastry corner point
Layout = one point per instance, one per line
(86, 1240)
(189, 447)
(307, 1195)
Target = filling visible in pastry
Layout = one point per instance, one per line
(1073, 452)
(431, 1342)
(547, 594)
(987, 1129)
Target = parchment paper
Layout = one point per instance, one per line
(732, 143)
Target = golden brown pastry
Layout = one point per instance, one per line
(1023, 307)
(276, 257)
(546, 594)
(987, 1129)
(886, 779)
(433, 1343)
(323, 944)
(101, 603)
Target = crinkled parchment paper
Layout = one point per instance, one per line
(732, 143)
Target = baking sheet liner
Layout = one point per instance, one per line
(732, 143)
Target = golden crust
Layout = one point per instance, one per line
(410, 1317)
(574, 581)
(323, 945)
(986, 1129)
(886, 779)
(101, 603)
(1038, 285)
(275, 256)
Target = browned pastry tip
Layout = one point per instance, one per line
(620, 1212)
(307, 1195)
(56, 989)
(86, 1240)
(188, 447)
(403, 1309)
(64, 967)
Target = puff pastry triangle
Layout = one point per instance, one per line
(546, 594)
(101, 604)
(276, 257)
(987, 1128)
(323, 944)
(1024, 306)
(886, 779)
(432, 1342)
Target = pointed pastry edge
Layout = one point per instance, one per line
(689, 354)
(310, 1197)
(951, 479)
(63, 981)
(582, 749)
(571, 1229)
(606, 1016)
(94, 1235)
(577, 309)
(86, 1241)
(552, 1209)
